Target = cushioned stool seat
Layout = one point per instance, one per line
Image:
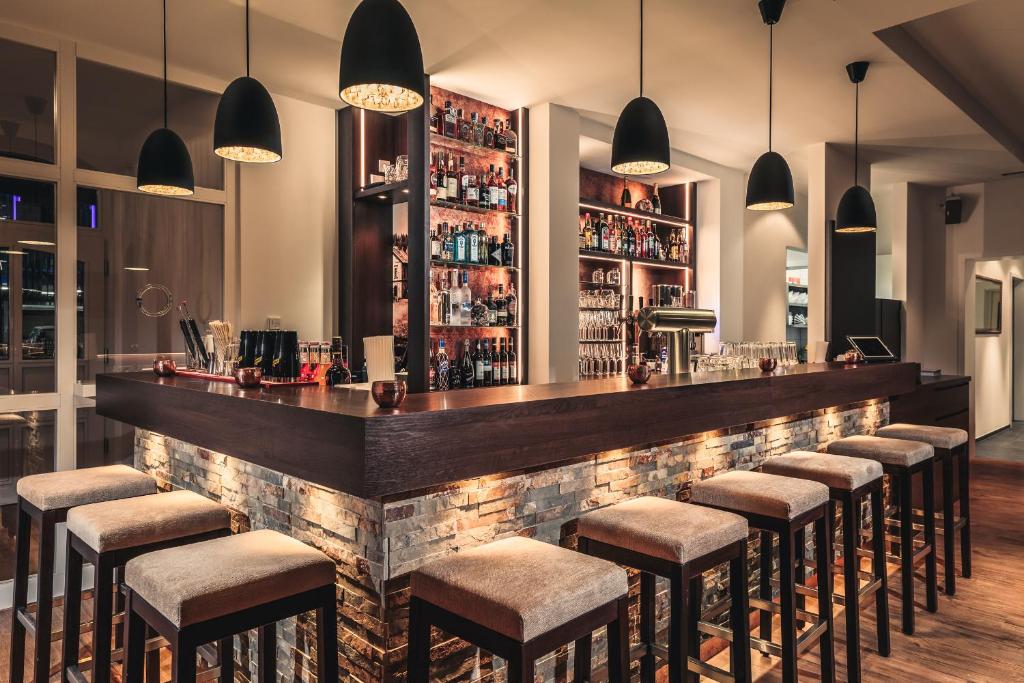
(519, 587)
(835, 471)
(57, 490)
(223, 576)
(144, 520)
(938, 437)
(899, 452)
(673, 531)
(760, 494)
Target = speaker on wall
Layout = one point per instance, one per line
(954, 210)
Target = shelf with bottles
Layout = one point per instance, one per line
(471, 125)
(472, 245)
(607, 256)
(641, 241)
(476, 186)
(473, 327)
(629, 212)
(473, 363)
(467, 300)
(468, 147)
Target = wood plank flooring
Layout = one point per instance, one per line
(977, 635)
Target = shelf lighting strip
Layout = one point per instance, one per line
(658, 218)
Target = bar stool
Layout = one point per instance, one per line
(850, 481)
(677, 541)
(519, 599)
(901, 460)
(950, 444)
(210, 591)
(784, 506)
(44, 500)
(107, 535)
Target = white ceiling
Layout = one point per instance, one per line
(706, 64)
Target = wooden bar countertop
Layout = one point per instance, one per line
(340, 439)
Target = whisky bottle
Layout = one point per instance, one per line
(512, 306)
(450, 121)
(656, 200)
(502, 192)
(453, 181)
(478, 129)
(512, 187)
(508, 251)
(500, 141)
(488, 134)
(511, 138)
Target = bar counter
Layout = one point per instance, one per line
(384, 491)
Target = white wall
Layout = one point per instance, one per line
(288, 226)
(766, 235)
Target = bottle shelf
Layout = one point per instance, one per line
(458, 206)
(616, 342)
(660, 218)
(647, 262)
(460, 264)
(471, 147)
(441, 326)
(391, 193)
(600, 308)
(585, 283)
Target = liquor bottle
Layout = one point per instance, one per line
(508, 251)
(435, 243)
(478, 129)
(513, 364)
(496, 370)
(500, 141)
(305, 368)
(659, 253)
(494, 252)
(586, 232)
(466, 300)
(482, 238)
(467, 371)
(436, 116)
(432, 369)
(502, 192)
(478, 316)
(442, 367)
(492, 310)
(604, 234)
(502, 307)
(465, 128)
(433, 176)
(337, 373)
(512, 187)
(453, 180)
(488, 134)
(454, 373)
(452, 316)
(478, 365)
(511, 138)
(450, 121)
(651, 253)
(436, 314)
(447, 243)
(461, 246)
(440, 182)
(493, 200)
(626, 199)
(656, 200)
(462, 179)
(475, 250)
(506, 372)
(488, 368)
(470, 192)
(512, 306)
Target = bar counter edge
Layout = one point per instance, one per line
(339, 439)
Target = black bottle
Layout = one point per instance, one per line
(337, 373)
(467, 371)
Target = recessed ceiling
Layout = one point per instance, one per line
(706, 64)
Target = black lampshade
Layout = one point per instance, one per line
(856, 212)
(381, 61)
(165, 166)
(247, 128)
(640, 145)
(770, 185)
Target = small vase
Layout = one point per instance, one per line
(164, 367)
(388, 393)
(639, 373)
(767, 364)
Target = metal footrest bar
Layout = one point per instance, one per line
(808, 638)
(709, 671)
(715, 630)
(838, 569)
(775, 608)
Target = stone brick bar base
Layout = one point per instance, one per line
(376, 543)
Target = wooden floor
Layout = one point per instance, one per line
(977, 635)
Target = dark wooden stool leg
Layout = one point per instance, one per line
(618, 645)
(765, 591)
(647, 627)
(118, 606)
(965, 511)
(226, 652)
(679, 641)
(801, 571)
(581, 663)
(152, 659)
(930, 565)
(44, 603)
(267, 646)
(23, 540)
(851, 588)
(827, 644)
(183, 658)
(521, 668)
(906, 552)
(72, 610)
(787, 601)
(134, 644)
(327, 640)
(696, 598)
(739, 617)
(102, 618)
(419, 642)
(879, 571)
(948, 526)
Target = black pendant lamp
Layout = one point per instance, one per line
(770, 185)
(640, 144)
(856, 211)
(165, 166)
(381, 61)
(247, 128)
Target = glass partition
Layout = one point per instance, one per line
(26, 102)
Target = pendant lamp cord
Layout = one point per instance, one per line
(165, 63)
(641, 48)
(771, 70)
(856, 135)
(247, 37)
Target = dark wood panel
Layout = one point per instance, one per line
(338, 437)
